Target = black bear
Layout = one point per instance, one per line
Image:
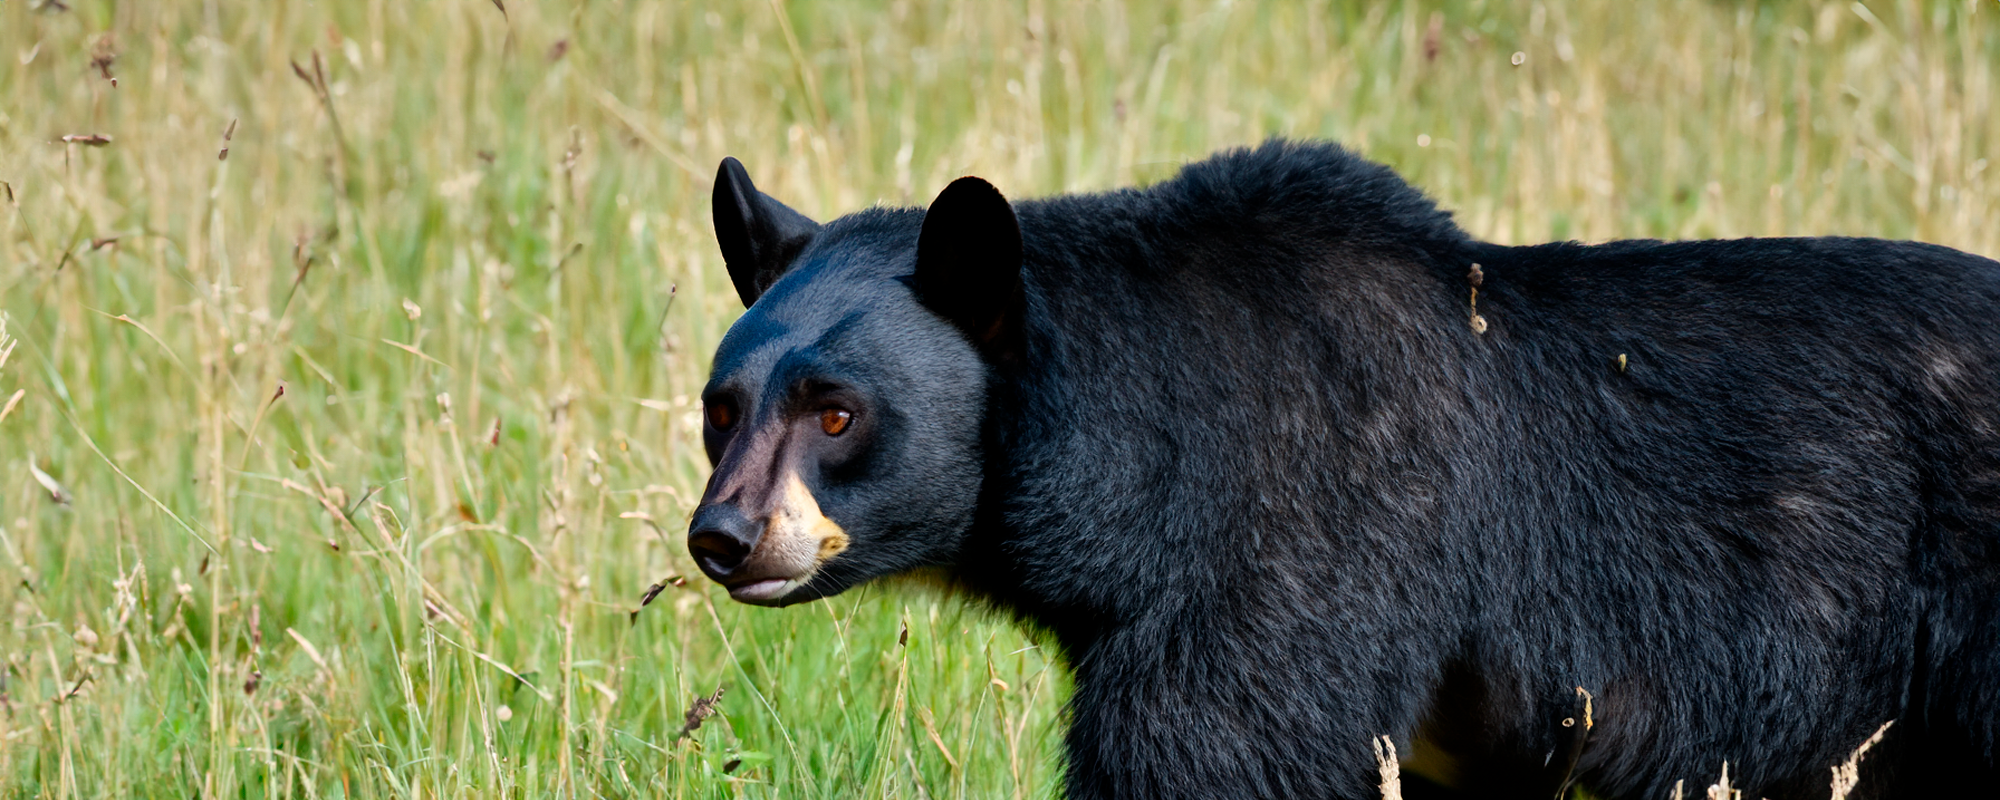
(1286, 461)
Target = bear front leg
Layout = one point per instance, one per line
(1175, 711)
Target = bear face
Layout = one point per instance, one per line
(844, 411)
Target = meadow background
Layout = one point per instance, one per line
(339, 467)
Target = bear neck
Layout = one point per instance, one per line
(1167, 357)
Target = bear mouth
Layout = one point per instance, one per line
(765, 592)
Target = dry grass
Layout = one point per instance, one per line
(337, 466)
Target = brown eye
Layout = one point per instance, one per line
(720, 415)
(834, 421)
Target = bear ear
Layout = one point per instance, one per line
(969, 264)
(760, 237)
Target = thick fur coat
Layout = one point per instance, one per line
(1282, 471)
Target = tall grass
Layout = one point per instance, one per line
(338, 467)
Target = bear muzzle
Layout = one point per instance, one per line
(762, 562)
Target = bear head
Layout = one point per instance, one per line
(844, 414)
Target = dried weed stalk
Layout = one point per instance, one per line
(1391, 770)
(1847, 775)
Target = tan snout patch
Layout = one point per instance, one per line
(799, 535)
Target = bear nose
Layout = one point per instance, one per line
(720, 539)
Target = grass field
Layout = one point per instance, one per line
(338, 467)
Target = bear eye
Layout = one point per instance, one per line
(720, 414)
(834, 421)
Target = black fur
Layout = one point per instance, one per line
(1248, 460)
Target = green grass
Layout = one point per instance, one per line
(511, 210)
